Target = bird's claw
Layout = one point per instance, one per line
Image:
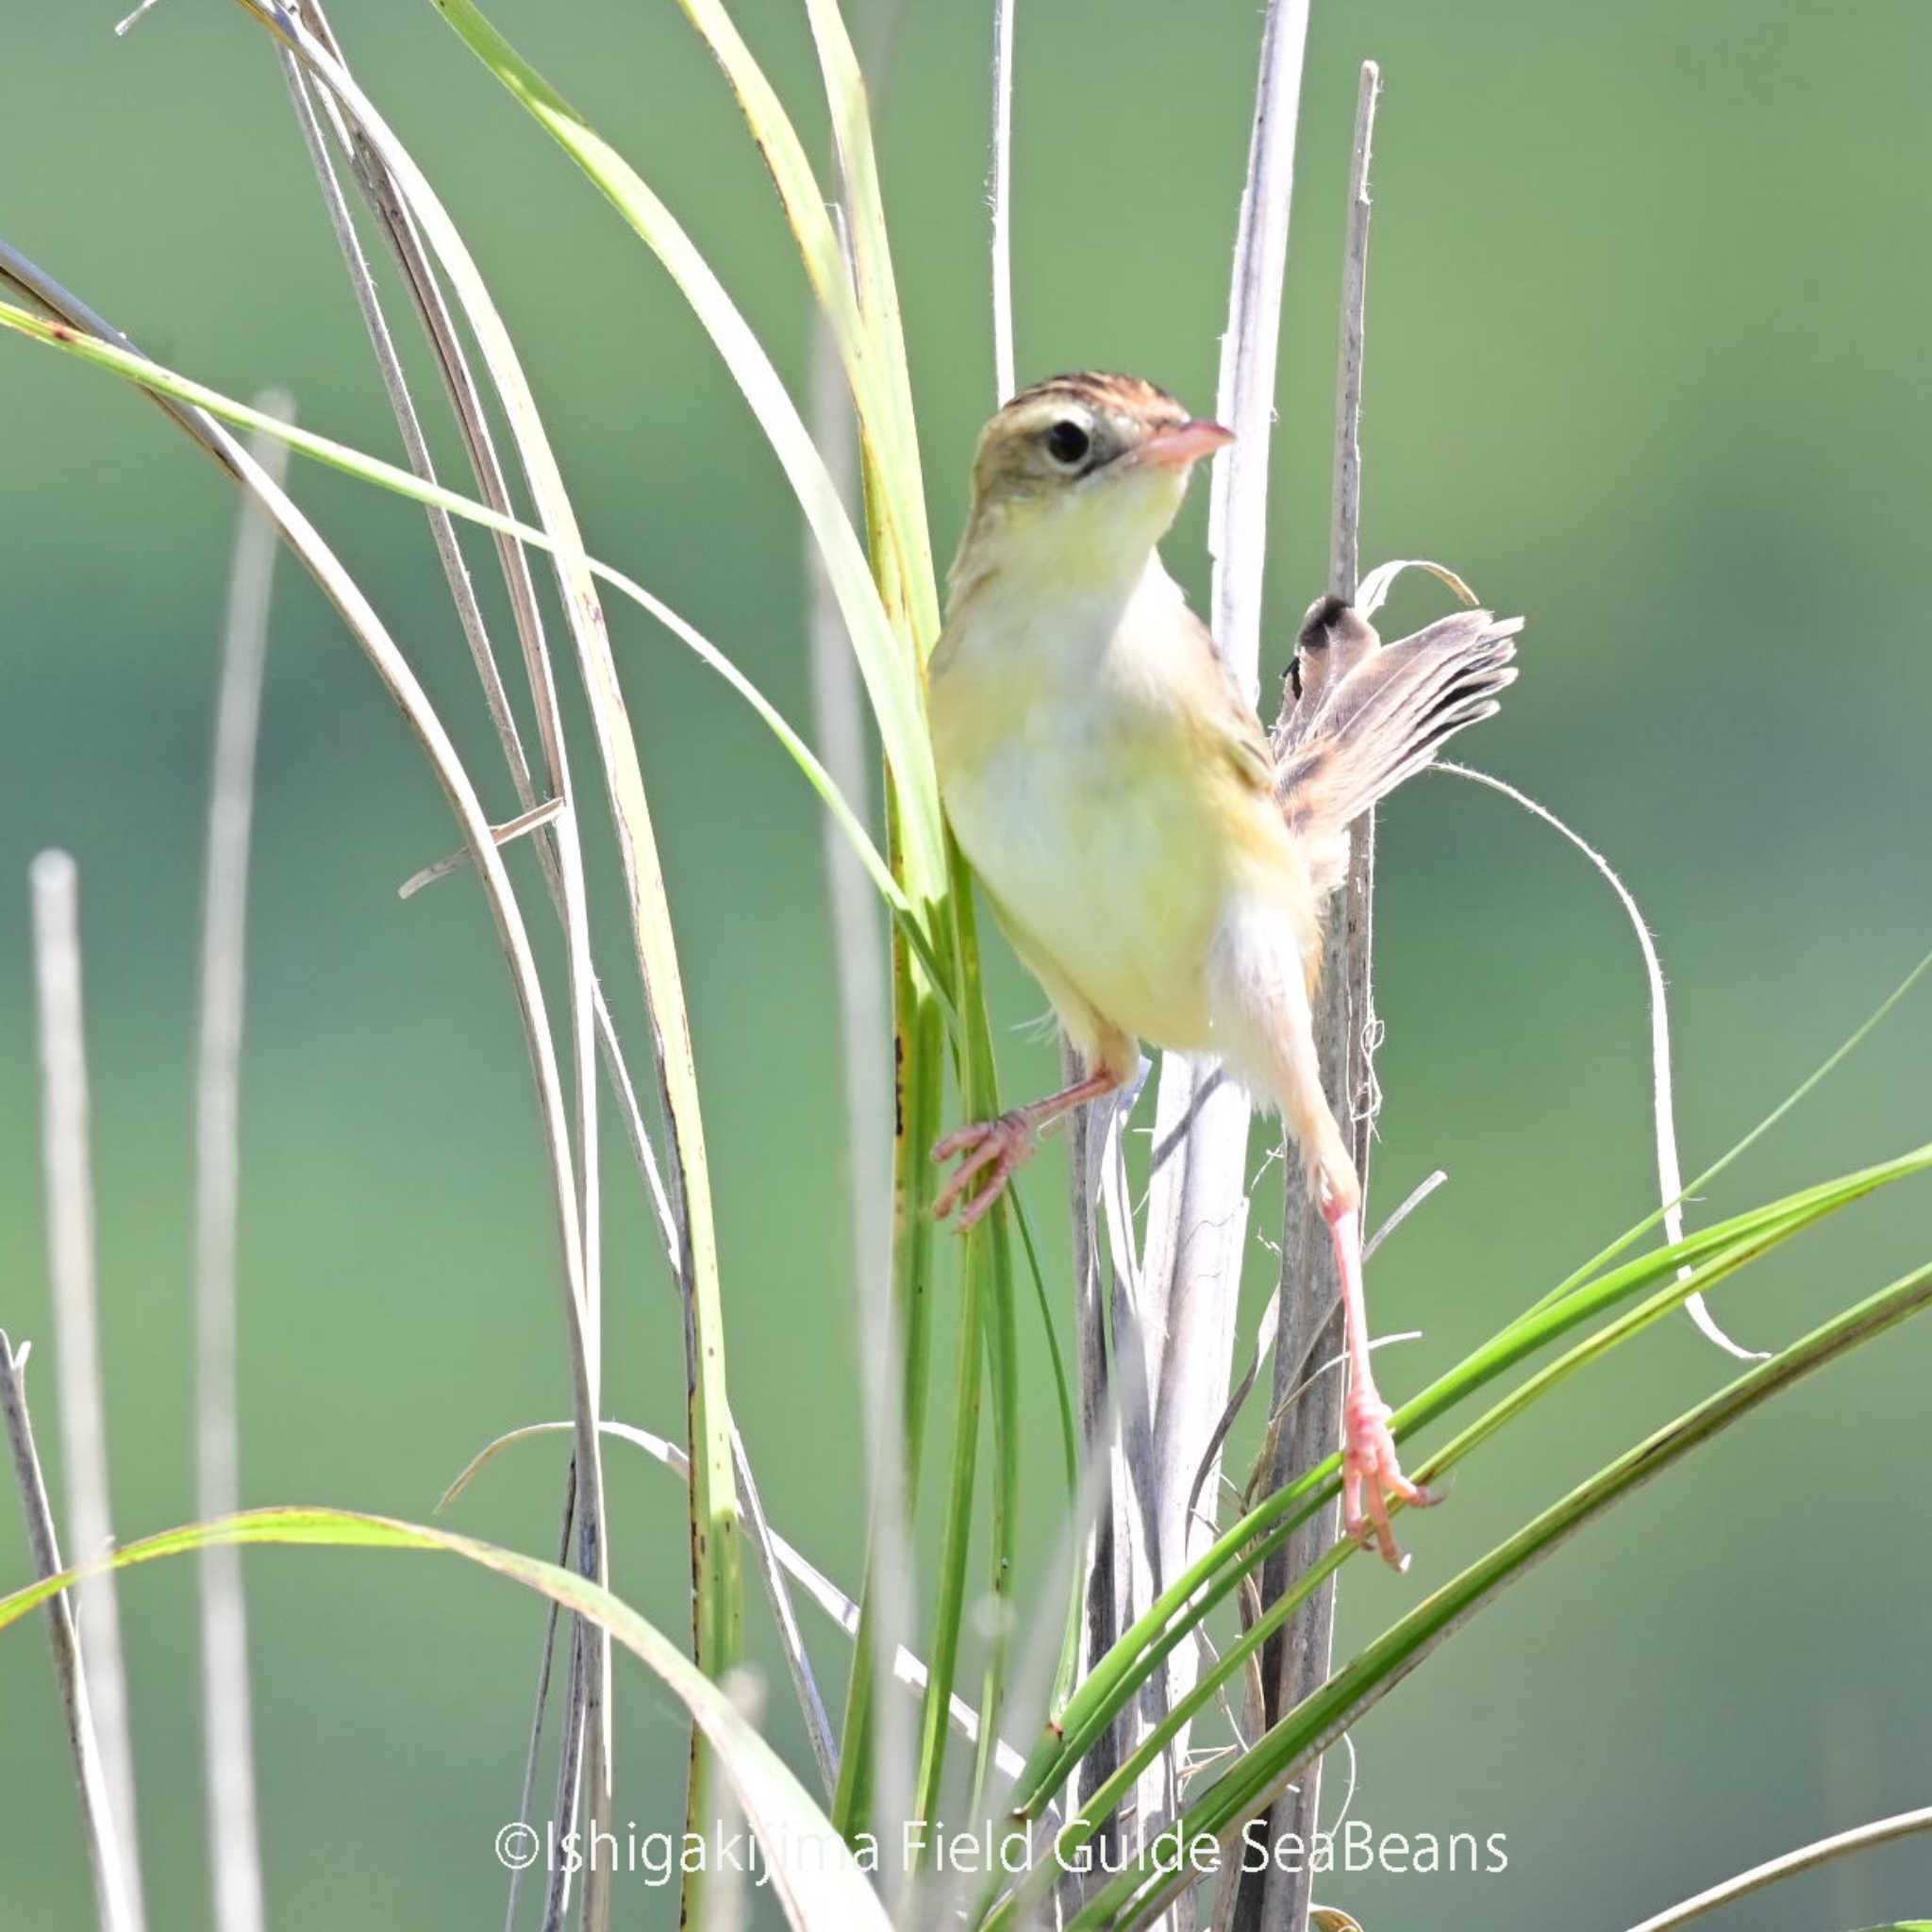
(1002, 1146)
(1370, 1469)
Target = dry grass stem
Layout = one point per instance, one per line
(505, 833)
(234, 1837)
(1306, 1425)
(1670, 1173)
(566, 870)
(390, 210)
(865, 1020)
(106, 1857)
(558, 849)
(820, 1588)
(1000, 194)
(1198, 1206)
(371, 635)
(1881, 1831)
(1344, 535)
(77, 1327)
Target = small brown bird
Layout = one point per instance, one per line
(1156, 865)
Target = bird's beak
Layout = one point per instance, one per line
(1187, 443)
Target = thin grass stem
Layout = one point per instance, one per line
(1197, 1214)
(1310, 1327)
(77, 320)
(466, 400)
(76, 1323)
(1303, 1734)
(234, 1833)
(1860, 1838)
(107, 1857)
(173, 391)
(1000, 198)
(862, 959)
(1670, 1174)
(563, 835)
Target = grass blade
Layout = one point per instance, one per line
(1240, 1793)
(1669, 1176)
(817, 1882)
(1881, 1831)
(1712, 1253)
(849, 293)
(166, 383)
(83, 328)
(889, 676)
(894, 465)
(715, 1526)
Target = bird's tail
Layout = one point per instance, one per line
(1371, 714)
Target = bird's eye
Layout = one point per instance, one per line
(1067, 443)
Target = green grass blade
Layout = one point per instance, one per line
(406, 483)
(1825, 1067)
(1268, 1766)
(919, 1049)
(1711, 1253)
(942, 1659)
(990, 1261)
(819, 1884)
(1313, 1496)
(715, 1516)
(878, 304)
(873, 355)
(900, 578)
(890, 678)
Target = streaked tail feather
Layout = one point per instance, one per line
(1383, 720)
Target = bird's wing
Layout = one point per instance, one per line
(1389, 716)
(1229, 721)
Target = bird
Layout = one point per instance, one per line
(1156, 862)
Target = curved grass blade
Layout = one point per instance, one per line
(931, 868)
(890, 681)
(385, 475)
(1881, 1831)
(1827, 1065)
(1314, 1495)
(1714, 1251)
(879, 307)
(817, 1585)
(369, 633)
(1268, 1766)
(1670, 1173)
(873, 359)
(716, 1518)
(818, 1882)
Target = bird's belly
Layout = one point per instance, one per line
(1115, 876)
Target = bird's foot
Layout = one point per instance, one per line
(1371, 1470)
(998, 1149)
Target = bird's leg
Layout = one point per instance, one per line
(1369, 1468)
(999, 1148)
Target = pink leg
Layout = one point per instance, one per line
(1369, 1468)
(999, 1148)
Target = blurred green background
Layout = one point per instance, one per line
(1648, 318)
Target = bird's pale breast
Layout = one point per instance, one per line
(1112, 838)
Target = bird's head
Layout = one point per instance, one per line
(1079, 477)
